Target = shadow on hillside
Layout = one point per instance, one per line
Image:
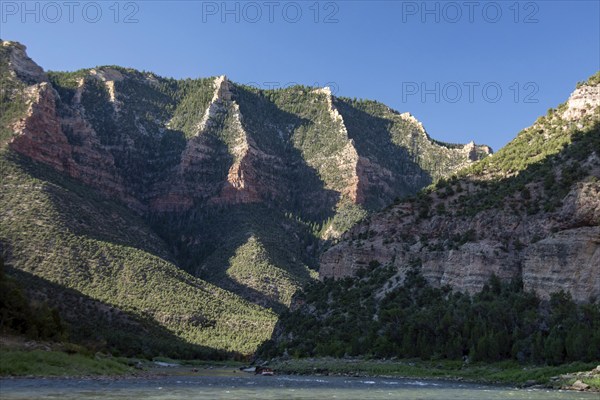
(495, 193)
(204, 239)
(372, 139)
(213, 235)
(272, 128)
(84, 211)
(103, 327)
(136, 125)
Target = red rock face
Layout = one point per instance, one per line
(253, 177)
(40, 136)
(240, 172)
(210, 171)
(241, 185)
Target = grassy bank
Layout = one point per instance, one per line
(58, 363)
(20, 356)
(506, 372)
(27, 358)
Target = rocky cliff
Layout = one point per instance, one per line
(529, 211)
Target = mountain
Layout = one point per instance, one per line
(530, 211)
(190, 211)
(501, 261)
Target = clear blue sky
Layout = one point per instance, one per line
(384, 50)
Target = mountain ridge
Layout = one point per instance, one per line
(160, 197)
(111, 78)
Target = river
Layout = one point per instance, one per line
(228, 385)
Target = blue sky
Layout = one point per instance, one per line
(478, 70)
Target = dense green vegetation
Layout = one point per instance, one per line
(20, 315)
(530, 175)
(294, 124)
(347, 215)
(354, 316)
(592, 80)
(548, 136)
(374, 315)
(252, 267)
(155, 116)
(249, 249)
(193, 97)
(302, 116)
(415, 152)
(66, 83)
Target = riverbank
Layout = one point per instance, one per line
(503, 373)
(71, 361)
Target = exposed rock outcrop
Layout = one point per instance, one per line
(584, 100)
(569, 260)
(500, 243)
(171, 147)
(21, 66)
(347, 160)
(243, 180)
(109, 76)
(39, 134)
(218, 103)
(222, 176)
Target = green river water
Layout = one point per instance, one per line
(229, 385)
